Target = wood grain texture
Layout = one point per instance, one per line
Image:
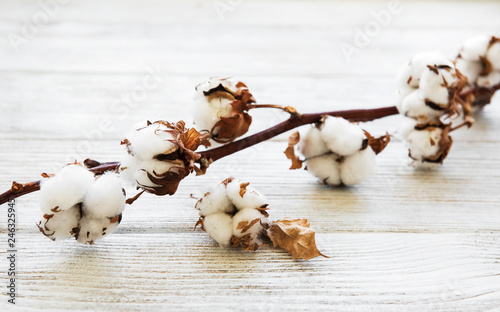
(404, 240)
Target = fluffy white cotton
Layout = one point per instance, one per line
(424, 143)
(357, 167)
(67, 188)
(326, 168)
(250, 199)
(60, 225)
(312, 143)
(248, 215)
(147, 142)
(208, 110)
(215, 201)
(406, 126)
(414, 106)
(92, 229)
(105, 197)
(433, 87)
(474, 48)
(469, 69)
(326, 151)
(409, 74)
(489, 80)
(341, 136)
(493, 55)
(128, 168)
(219, 226)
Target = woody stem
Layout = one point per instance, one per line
(293, 122)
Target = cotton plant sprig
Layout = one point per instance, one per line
(433, 96)
(235, 214)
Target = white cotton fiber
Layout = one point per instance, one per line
(92, 229)
(312, 144)
(414, 106)
(424, 143)
(219, 227)
(326, 168)
(61, 224)
(251, 197)
(469, 69)
(489, 80)
(248, 215)
(207, 113)
(216, 201)
(410, 73)
(406, 126)
(475, 47)
(433, 86)
(357, 167)
(67, 188)
(129, 165)
(341, 136)
(493, 55)
(105, 197)
(150, 141)
(207, 110)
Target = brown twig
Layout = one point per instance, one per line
(291, 123)
(480, 93)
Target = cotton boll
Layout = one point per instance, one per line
(209, 109)
(489, 80)
(493, 55)
(406, 126)
(67, 188)
(92, 228)
(251, 197)
(105, 197)
(433, 86)
(341, 136)
(60, 225)
(469, 69)
(326, 168)
(475, 47)
(411, 72)
(312, 144)
(214, 202)
(242, 224)
(424, 143)
(207, 113)
(414, 106)
(219, 226)
(147, 142)
(357, 167)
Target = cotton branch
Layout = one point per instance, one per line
(294, 122)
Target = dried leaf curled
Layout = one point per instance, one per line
(378, 144)
(296, 237)
(290, 151)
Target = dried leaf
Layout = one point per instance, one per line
(296, 237)
(229, 128)
(378, 144)
(290, 150)
(243, 188)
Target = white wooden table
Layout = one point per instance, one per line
(404, 240)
